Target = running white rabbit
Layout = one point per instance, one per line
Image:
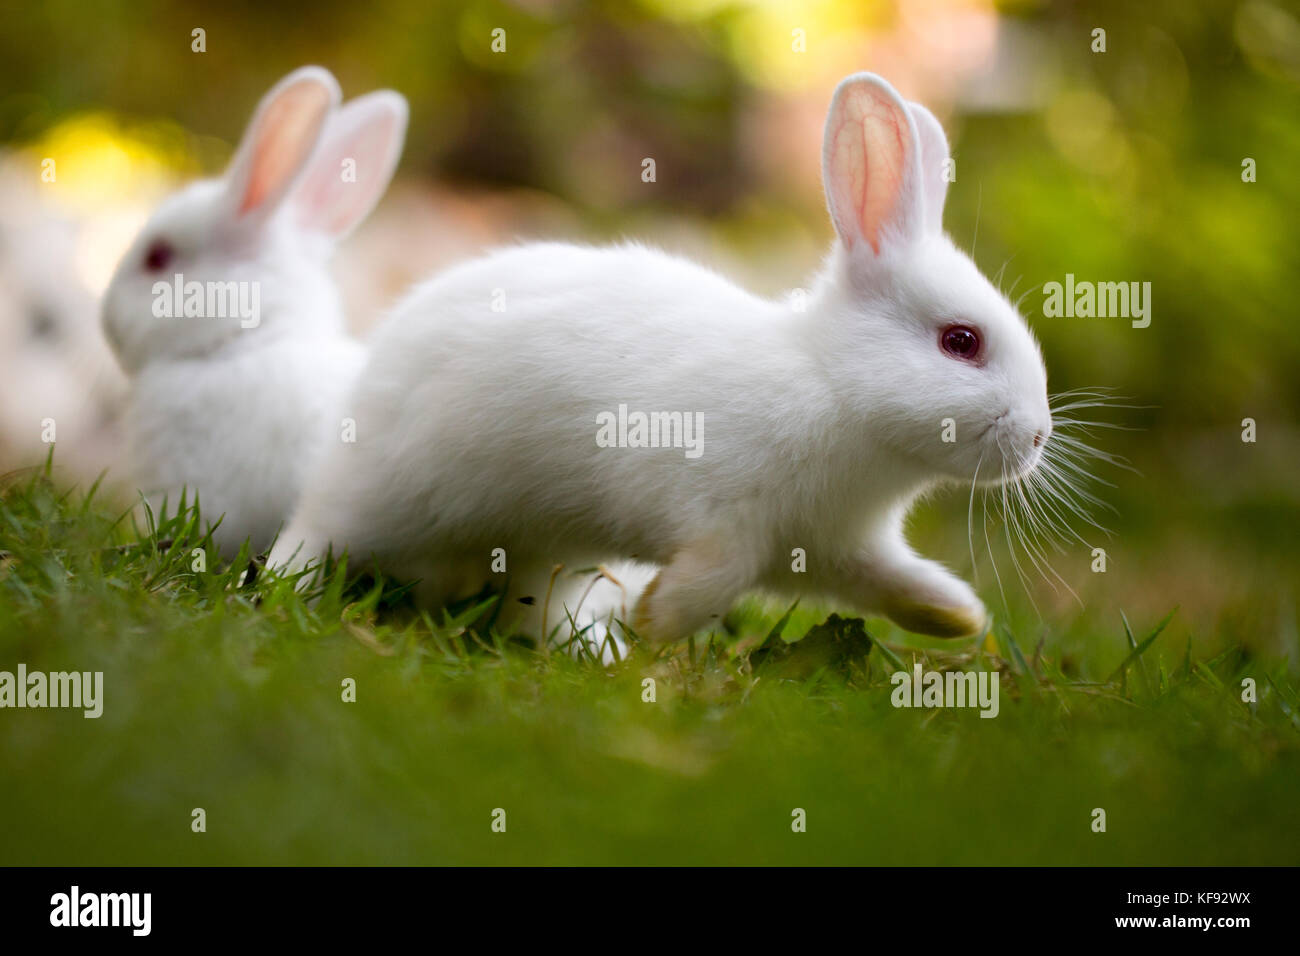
(787, 428)
(236, 402)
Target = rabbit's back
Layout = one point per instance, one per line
(501, 402)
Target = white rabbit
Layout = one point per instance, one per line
(814, 427)
(60, 382)
(236, 407)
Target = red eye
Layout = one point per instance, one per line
(960, 341)
(159, 256)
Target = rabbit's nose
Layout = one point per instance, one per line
(1038, 439)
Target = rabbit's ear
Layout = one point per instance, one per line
(934, 164)
(357, 158)
(278, 142)
(871, 165)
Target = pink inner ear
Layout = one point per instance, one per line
(286, 133)
(325, 201)
(869, 148)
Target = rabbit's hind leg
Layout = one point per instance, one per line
(696, 588)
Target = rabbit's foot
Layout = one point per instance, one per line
(925, 598)
(697, 587)
(919, 595)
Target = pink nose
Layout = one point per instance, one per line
(1038, 439)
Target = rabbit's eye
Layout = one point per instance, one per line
(42, 324)
(159, 256)
(960, 341)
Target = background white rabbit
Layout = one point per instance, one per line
(821, 425)
(53, 362)
(234, 408)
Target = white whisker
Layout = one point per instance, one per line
(1040, 506)
(970, 512)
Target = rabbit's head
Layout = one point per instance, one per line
(937, 360)
(246, 255)
(54, 365)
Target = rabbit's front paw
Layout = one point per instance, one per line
(929, 600)
(939, 621)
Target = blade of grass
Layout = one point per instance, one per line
(1021, 664)
(1132, 644)
(1140, 648)
(889, 655)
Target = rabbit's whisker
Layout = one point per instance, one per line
(970, 514)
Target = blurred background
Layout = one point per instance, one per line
(1122, 165)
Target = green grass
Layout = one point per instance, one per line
(227, 696)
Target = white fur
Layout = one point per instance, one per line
(54, 365)
(238, 414)
(821, 427)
